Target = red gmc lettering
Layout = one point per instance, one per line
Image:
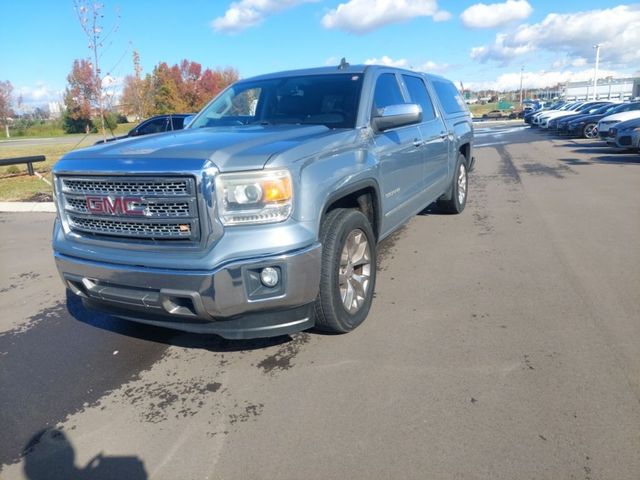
(113, 205)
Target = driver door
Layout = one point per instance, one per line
(400, 157)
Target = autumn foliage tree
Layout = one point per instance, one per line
(78, 97)
(183, 87)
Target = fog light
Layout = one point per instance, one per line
(269, 277)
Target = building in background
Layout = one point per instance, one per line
(55, 110)
(607, 89)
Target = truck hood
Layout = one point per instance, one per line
(227, 148)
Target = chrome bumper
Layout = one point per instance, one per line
(228, 301)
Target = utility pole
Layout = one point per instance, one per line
(595, 73)
(521, 72)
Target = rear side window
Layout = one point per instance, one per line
(449, 96)
(418, 94)
(387, 91)
(154, 126)
(177, 123)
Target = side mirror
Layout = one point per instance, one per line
(187, 121)
(132, 133)
(395, 116)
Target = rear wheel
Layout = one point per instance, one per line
(590, 130)
(457, 197)
(348, 274)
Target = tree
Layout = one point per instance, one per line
(166, 94)
(78, 97)
(6, 100)
(185, 87)
(91, 17)
(136, 92)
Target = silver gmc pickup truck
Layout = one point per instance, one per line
(262, 217)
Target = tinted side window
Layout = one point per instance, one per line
(153, 126)
(449, 96)
(418, 94)
(387, 91)
(177, 122)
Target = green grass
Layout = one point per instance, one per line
(20, 186)
(478, 110)
(54, 129)
(23, 188)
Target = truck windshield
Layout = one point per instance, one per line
(330, 100)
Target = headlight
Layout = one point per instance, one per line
(254, 197)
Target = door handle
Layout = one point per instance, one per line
(418, 143)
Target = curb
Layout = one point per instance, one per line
(27, 207)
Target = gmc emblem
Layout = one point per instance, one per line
(115, 206)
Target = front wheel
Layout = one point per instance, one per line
(348, 274)
(590, 130)
(457, 197)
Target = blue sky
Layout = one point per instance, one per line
(481, 45)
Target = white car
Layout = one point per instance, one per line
(543, 120)
(539, 117)
(605, 124)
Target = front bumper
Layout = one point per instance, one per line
(228, 301)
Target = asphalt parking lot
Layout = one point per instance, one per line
(503, 343)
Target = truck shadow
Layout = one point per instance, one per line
(49, 455)
(165, 336)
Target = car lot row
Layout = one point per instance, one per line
(615, 122)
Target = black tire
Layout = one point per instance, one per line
(452, 203)
(331, 314)
(590, 131)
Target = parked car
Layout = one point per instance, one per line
(494, 114)
(528, 117)
(621, 134)
(587, 127)
(543, 120)
(635, 139)
(565, 122)
(590, 107)
(607, 123)
(157, 124)
(262, 217)
(537, 117)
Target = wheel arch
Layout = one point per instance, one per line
(363, 195)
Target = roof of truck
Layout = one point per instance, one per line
(353, 69)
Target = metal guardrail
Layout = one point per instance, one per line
(28, 160)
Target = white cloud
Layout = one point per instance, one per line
(433, 67)
(442, 16)
(494, 15)
(616, 29)
(362, 16)
(36, 95)
(430, 66)
(501, 50)
(389, 62)
(539, 79)
(248, 13)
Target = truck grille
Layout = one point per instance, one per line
(164, 187)
(141, 208)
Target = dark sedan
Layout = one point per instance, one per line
(560, 123)
(587, 127)
(157, 124)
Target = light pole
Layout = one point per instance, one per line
(595, 73)
(521, 72)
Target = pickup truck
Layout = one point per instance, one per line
(262, 217)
